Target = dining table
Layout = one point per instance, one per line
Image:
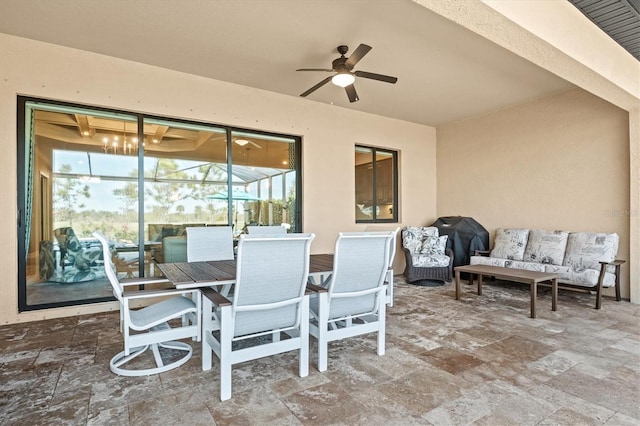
(189, 275)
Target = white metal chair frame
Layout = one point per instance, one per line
(150, 322)
(328, 326)
(238, 320)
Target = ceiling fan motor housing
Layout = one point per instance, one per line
(340, 65)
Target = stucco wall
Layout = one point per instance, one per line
(329, 135)
(561, 162)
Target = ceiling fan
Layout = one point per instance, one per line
(345, 76)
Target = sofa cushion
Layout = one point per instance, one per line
(582, 277)
(434, 245)
(510, 243)
(546, 246)
(430, 261)
(585, 250)
(506, 263)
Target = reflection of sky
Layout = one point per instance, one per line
(102, 190)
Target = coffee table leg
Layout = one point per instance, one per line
(534, 294)
(457, 285)
(554, 294)
(479, 284)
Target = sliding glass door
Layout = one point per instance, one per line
(141, 181)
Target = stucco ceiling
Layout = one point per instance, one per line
(445, 72)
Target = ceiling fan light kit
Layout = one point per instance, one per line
(343, 79)
(344, 76)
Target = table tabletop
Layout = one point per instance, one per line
(513, 274)
(186, 275)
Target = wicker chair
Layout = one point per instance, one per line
(425, 254)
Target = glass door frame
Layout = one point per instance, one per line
(22, 153)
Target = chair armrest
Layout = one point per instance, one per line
(449, 252)
(140, 281)
(616, 262)
(315, 288)
(215, 297)
(481, 252)
(140, 294)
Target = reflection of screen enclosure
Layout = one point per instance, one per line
(96, 169)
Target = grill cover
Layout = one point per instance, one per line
(465, 236)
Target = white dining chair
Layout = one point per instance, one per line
(355, 291)
(148, 327)
(208, 243)
(269, 299)
(266, 230)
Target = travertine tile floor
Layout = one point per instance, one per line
(480, 361)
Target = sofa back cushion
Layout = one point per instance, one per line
(546, 247)
(585, 250)
(510, 243)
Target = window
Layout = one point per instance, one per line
(141, 180)
(376, 185)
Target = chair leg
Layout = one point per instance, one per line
(226, 336)
(390, 287)
(207, 326)
(304, 339)
(323, 319)
(599, 288)
(382, 310)
(118, 362)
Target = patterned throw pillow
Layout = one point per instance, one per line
(510, 243)
(434, 245)
(414, 236)
(546, 247)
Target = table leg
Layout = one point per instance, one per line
(479, 284)
(554, 294)
(534, 294)
(457, 285)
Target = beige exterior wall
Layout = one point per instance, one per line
(329, 135)
(558, 163)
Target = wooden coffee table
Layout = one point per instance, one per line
(510, 274)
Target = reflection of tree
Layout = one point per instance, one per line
(166, 194)
(66, 192)
(128, 195)
(201, 191)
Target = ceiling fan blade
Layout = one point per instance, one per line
(357, 54)
(314, 69)
(374, 76)
(316, 87)
(351, 93)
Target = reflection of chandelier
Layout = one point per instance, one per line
(122, 147)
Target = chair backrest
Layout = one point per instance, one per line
(271, 279)
(209, 243)
(360, 264)
(393, 244)
(109, 268)
(266, 230)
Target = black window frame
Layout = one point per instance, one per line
(394, 155)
